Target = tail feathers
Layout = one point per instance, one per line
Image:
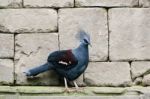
(37, 70)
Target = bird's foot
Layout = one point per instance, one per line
(69, 90)
(79, 89)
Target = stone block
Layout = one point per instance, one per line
(139, 69)
(6, 71)
(107, 3)
(6, 45)
(146, 80)
(10, 3)
(48, 3)
(144, 3)
(80, 97)
(129, 34)
(146, 96)
(108, 74)
(32, 50)
(91, 20)
(28, 20)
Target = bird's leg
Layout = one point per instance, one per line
(76, 86)
(66, 85)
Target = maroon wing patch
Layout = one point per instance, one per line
(63, 58)
(67, 58)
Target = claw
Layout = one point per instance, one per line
(79, 89)
(67, 90)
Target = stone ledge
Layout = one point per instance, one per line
(70, 97)
(92, 91)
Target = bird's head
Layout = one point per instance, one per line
(84, 37)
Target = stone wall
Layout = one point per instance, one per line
(119, 29)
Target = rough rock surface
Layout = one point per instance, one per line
(83, 97)
(107, 3)
(72, 20)
(129, 37)
(28, 20)
(10, 3)
(140, 69)
(108, 74)
(6, 45)
(144, 3)
(32, 50)
(48, 3)
(6, 71)
(146, 80)
(72, 97)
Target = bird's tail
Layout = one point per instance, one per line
(37, 70)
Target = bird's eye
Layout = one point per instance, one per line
(85, 41)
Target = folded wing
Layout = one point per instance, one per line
(64, 59)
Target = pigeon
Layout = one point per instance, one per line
(68, 64)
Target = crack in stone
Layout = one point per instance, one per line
(18, 45)
(15, 4)
(3, 29)
(108, 19)
(135, 3)
(143, 74)
(31, 52)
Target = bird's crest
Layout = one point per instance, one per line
(82, 35)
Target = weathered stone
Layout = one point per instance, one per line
(6, 71)
(11, 3)
(28, 20)
(144, 3)
(107, 3)
(6, 45)
(9, 96)
(80, 97)
(92, 92)
(40, 90)
(139, 89)
(48, 3)
(108, 74)
(129, 37)
(138, 81)
(109, 90)
(72, 20)
(146, 96)
(140, 68)
(7, 89)
(146, 80)
(32, 50)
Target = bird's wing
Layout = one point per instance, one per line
(63, 59)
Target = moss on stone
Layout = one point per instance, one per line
(86, 91)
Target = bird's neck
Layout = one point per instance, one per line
(83, 47)
(81, 52)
